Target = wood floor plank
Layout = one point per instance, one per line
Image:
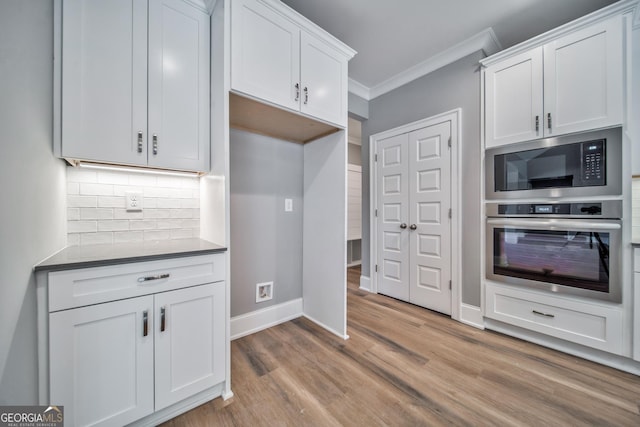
(407, 366)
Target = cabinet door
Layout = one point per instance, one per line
(101, 362)
(583, 79)
(265, 54)
(323, 73)
(513, 99)
(190, 336)
(178, 86)
(104, 80)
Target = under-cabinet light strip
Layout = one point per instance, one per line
(118, 168)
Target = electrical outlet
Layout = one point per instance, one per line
(288, 205)
(133, 201)
(264, 291)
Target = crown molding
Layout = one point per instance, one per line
(358, 89)
(618, 8)
(485, 41)
(636, 16)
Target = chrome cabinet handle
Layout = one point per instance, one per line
(403, 225)
(155, 143)
(297, 91)
(413, 226)
(145, 323)
(139, 141)
(549, 120)
(539, 313)
(306, 95)
(156, 277)
(163, 319)
(537, 123)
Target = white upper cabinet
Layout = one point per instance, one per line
(513, 90)
(265, 60)
(583, 79)
(131, 69)
(571, 84)
(275, 58)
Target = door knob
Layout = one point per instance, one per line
(403, 225)
(413, 226)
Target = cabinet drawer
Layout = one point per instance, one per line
(76, 288)
(636, 260)
(593, 325)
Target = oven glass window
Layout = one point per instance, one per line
(578, 259)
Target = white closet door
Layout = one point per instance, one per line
(430, 227)
(393, 215)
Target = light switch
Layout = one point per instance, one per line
(133, 201)
(288, 205)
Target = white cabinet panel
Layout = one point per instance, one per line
(592, 325)
(583, 79)
(179, 86)
(189, 332)
(132, 69)
(571, 84)
(101, 362)
(277, 58)
(514, 99)
(104, 79)
(265, 54)
(324, 77)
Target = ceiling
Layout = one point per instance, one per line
(394, 36)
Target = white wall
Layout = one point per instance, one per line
(32, 218)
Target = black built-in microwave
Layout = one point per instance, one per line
(579, 165)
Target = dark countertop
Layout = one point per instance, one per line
(74, 257)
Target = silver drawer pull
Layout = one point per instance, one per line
(539, 313)
(157, 277)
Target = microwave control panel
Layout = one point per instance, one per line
(593, 163)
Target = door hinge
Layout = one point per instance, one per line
(449, 142)
(375, 157)
(449, 284)
(450, 213)
(376, 268)
(376, 212)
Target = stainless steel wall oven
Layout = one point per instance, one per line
(572, 248)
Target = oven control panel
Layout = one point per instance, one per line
(604, 209)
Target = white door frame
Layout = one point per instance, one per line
(454, 116)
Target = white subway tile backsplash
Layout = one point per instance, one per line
(73, 214)
(128, 236)
(95, 238)
(73, 188)
(82, 201)
(157, 235)
(144, 224)
(96, 213)
(96, 189)
(96, 207)
(82, 226)
(113, 225)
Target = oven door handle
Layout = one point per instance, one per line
(555, 224)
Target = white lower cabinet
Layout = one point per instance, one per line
(590, 324)
(636, 304)
(115, 362)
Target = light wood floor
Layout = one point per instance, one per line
(407, 366)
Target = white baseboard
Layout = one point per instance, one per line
(365, 283)
(323, 326)
(247, 324)
(471, 315)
